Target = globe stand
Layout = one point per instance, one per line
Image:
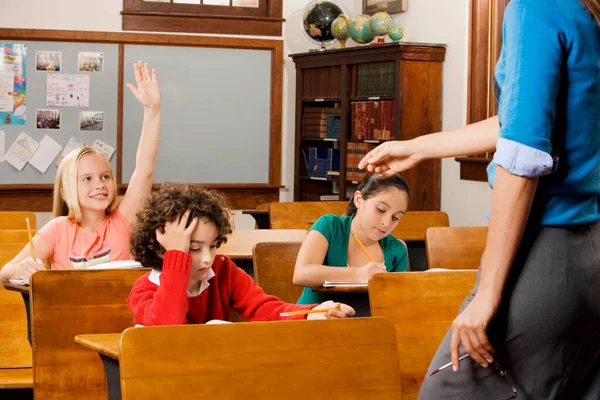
(380, 40)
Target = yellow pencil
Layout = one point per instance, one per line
(30, 239)
(362, 246)
(303, 312)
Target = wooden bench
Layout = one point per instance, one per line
(422, 306)
(16, 219)
(456, 247)
(63, 305)
(274, 269)
(332, 359)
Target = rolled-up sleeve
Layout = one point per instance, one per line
(529, 74)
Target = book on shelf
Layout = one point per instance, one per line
(354, 153)
(372, 120)
(320, 160)
(376, 79)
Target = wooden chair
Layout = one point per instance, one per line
(15, 235)
(15, 351)
(422, 306)
(8, 251)
(274, 269)
(456, 247)
(68, 303)
(16, 219)
(262, 360)
(414, 224)
(302, 214)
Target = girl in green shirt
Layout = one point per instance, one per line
(329, 253)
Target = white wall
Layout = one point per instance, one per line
(426, 21)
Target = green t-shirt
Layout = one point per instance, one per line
(336, 230)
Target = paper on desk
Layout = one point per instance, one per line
(345, 284)
(21, 151)
(23, 282)
(45, 154)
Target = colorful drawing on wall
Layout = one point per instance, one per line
(13, 83)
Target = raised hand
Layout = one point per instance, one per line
(342, 311)
(390, 158)
(147, 91)
(175, 236)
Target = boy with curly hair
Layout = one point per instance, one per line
(178, 233)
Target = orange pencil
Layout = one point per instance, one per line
(303, 312)
(362, 246)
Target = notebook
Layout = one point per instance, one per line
(23, 282)
(117, 265)
(345, 284)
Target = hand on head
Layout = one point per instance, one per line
(390, 158)
(175, 235)
(341, 310)
(147, 91)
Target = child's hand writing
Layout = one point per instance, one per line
(147, 91)
(28, 267)
(343, 311)
(175, 236)
(368, 270)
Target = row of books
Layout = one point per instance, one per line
(321, 122)
(354, 153)
(372, 119)
(320, 161)
(376, 79)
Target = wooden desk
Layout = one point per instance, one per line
(24, 290)
(357, 297)
(261, 217)
(241, 242)
(107, 347)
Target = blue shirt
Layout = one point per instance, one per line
(336, 230)
(548, 78)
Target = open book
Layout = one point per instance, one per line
(345, 284)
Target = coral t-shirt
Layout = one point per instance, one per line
(72, 248)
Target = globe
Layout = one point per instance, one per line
(340, 29)
(360, 29)
(317, 19)
(380, 24)
(396, 33)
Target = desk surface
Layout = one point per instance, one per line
(104, 343)
(18, 288)
(239, 245)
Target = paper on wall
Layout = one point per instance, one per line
(7, 87)
(104, 148)
(72, 144)
(68, 90)
(45, 154)
(21, 151)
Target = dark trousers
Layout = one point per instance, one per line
(547, 330)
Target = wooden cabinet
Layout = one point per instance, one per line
(349, 100)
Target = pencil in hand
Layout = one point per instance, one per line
(304, 312)
(362, 246)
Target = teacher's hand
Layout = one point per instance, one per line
(391, 157)
(469, 328)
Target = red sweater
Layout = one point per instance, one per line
(231, 287)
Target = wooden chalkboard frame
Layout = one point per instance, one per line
(38, 197)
